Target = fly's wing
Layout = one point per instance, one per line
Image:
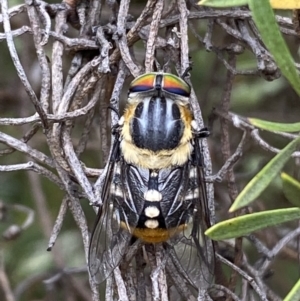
(109, 240)
(194, 250)
(108, 244)
(184, 207)
(116, 221)
(137, 184)
(205, 246)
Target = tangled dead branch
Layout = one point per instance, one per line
(104, 52)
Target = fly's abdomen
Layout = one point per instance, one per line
(156, 124)
(157, 219)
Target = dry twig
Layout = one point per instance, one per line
(103, 55)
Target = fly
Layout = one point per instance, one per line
(155, 189)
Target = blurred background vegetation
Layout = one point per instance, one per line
(26, 261)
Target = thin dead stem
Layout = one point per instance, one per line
(68, 117)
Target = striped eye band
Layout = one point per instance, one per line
(143, 83)
(170, 83)
(175, 85)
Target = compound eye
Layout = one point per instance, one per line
(143, 83)
(175, 85)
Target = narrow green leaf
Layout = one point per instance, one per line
(258, 184)
(223, 3)
(243, 225)
(294, 294)
(265, 21)
(291, 189)
(275, 126)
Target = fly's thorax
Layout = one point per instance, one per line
(156, 124)
(155, 160)
(156, 133)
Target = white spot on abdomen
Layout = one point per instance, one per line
(152, 195)
(152, 211)
(151, 223)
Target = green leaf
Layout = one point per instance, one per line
(275, 126)
(294, 294)
(223, 3)
(291, 189)
(258, 184)
(243, 225)
(265, 21)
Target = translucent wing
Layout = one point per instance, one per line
(109, 240)
(190, 250)
(206, 247)
(111, 234)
